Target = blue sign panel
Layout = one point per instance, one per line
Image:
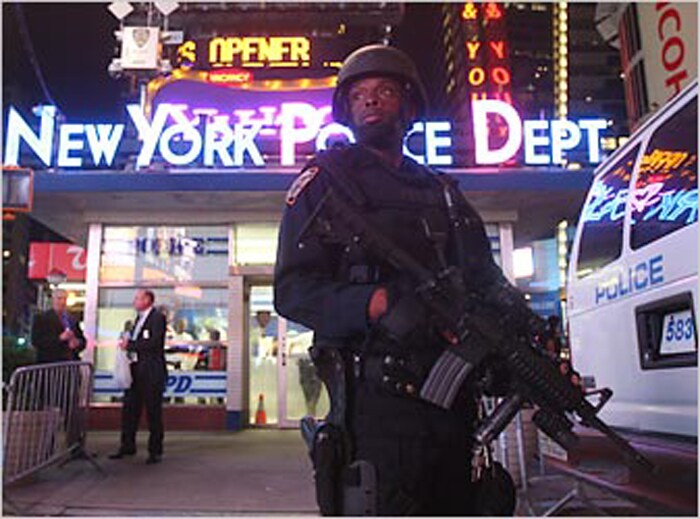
(180, 384)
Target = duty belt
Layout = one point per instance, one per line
(388, 372)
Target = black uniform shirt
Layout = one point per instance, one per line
(312, 284)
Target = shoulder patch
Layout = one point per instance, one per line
(300, 183)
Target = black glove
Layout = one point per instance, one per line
(406, 321)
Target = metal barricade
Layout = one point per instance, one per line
(45, 417)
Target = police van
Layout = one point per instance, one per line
(633, 276)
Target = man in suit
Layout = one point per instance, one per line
(145, 348)
(56, 335)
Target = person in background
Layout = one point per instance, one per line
(217, 351)
(180, 332)
(145, 348)
(552, 339)
(56, 335)
(567, 370)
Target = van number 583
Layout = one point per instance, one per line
(678, 333)
(679, 329)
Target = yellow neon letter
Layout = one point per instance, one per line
(473, 48)
(217, 47)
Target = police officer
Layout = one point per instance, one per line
(421, 453)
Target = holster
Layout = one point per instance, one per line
(328, 457)
(330, 368)
(342, 487)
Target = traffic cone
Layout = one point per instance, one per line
(260, 415)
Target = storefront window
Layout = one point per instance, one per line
(164, 254)
(189, 266)
(195, 344)
(255, 244)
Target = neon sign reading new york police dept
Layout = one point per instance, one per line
(545, 142)
(182, 137)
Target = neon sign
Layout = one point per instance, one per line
(252, 51)
(229, 76)
(545, 141)
(488, 68)
(182, 136)
(194, 123)
(491, 11)
(469, 12)
(498, 75)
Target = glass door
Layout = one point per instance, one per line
(304, 393)
(263, 354)
(284, 386)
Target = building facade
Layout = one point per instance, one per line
(184, 195)
(658, 45)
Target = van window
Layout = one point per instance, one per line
(604, 216)
(665, 196)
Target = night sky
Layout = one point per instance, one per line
(74, 43)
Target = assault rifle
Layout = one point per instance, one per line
(478, 327)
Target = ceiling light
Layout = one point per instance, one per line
(120, 9)
(166, 6)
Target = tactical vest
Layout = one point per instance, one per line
(406, 205)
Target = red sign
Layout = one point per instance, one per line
(673, 50)
(57, 258)
(493, 12)
(229, 76)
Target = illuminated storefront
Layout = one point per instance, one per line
(185, 198)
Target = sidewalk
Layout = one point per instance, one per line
(253, 472)
(259, 472)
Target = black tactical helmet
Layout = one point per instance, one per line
(373, 60)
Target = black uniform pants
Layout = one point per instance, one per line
(421, 453)
(148, 393)
(416, 476)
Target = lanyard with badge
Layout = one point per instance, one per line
(133, 335)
